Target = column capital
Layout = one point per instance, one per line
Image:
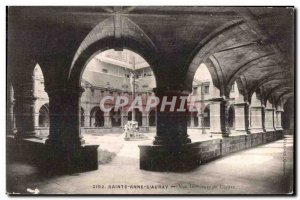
(279, 110)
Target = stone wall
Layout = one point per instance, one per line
(167, 158)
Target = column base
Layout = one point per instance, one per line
(161, 140)
(71, 160)
(24, 135)
(170, 157)
(256, 130)
(239, 132)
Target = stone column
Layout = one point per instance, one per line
(257, 121)
(144, 119)
(66, 150)
(192, 120)
(107, 120)
(122, 119)
(10, 122)
(171, 126)
(25, 109)
(218, 116)
(278, 119)
(269, 119)
(87, 118)
(241, 118)
(199, 116)
(64, 112)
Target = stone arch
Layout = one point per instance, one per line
(44, 116)
(97, 117)
(204, 75)
(202, 51)
(103, 37)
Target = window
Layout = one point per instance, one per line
(206, 89)
(92, 91)
(104, 70)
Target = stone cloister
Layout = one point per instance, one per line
(239, 46)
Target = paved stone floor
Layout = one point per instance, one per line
(266, 169)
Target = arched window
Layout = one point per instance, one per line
(231, 117)
(152, 118)
(44, 116)
(115, 117)
(97, 117)
(206, 116)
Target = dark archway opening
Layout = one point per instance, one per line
(231, 117)
(97, 117)
(44, 116)
(115, 117)
(206, 117)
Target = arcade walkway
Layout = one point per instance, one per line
(259, 170)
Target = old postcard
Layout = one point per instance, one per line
(150, 100)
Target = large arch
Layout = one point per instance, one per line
(103, 37)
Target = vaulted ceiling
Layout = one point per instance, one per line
(255, 44)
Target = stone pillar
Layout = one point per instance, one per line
(66, 150)
(218, 116)
(36, 117)
(107, 120)
(199, 116)
(171, 126)
(241, 118)
(192, 120)
(269, 119)
(278, 119)
(25, 109)
(10, 122)
(87, 118)
(122, 119)
(144, 120)
(171, 149)
(257, 121)
(64, 113)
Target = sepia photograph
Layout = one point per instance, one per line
(150, 100)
